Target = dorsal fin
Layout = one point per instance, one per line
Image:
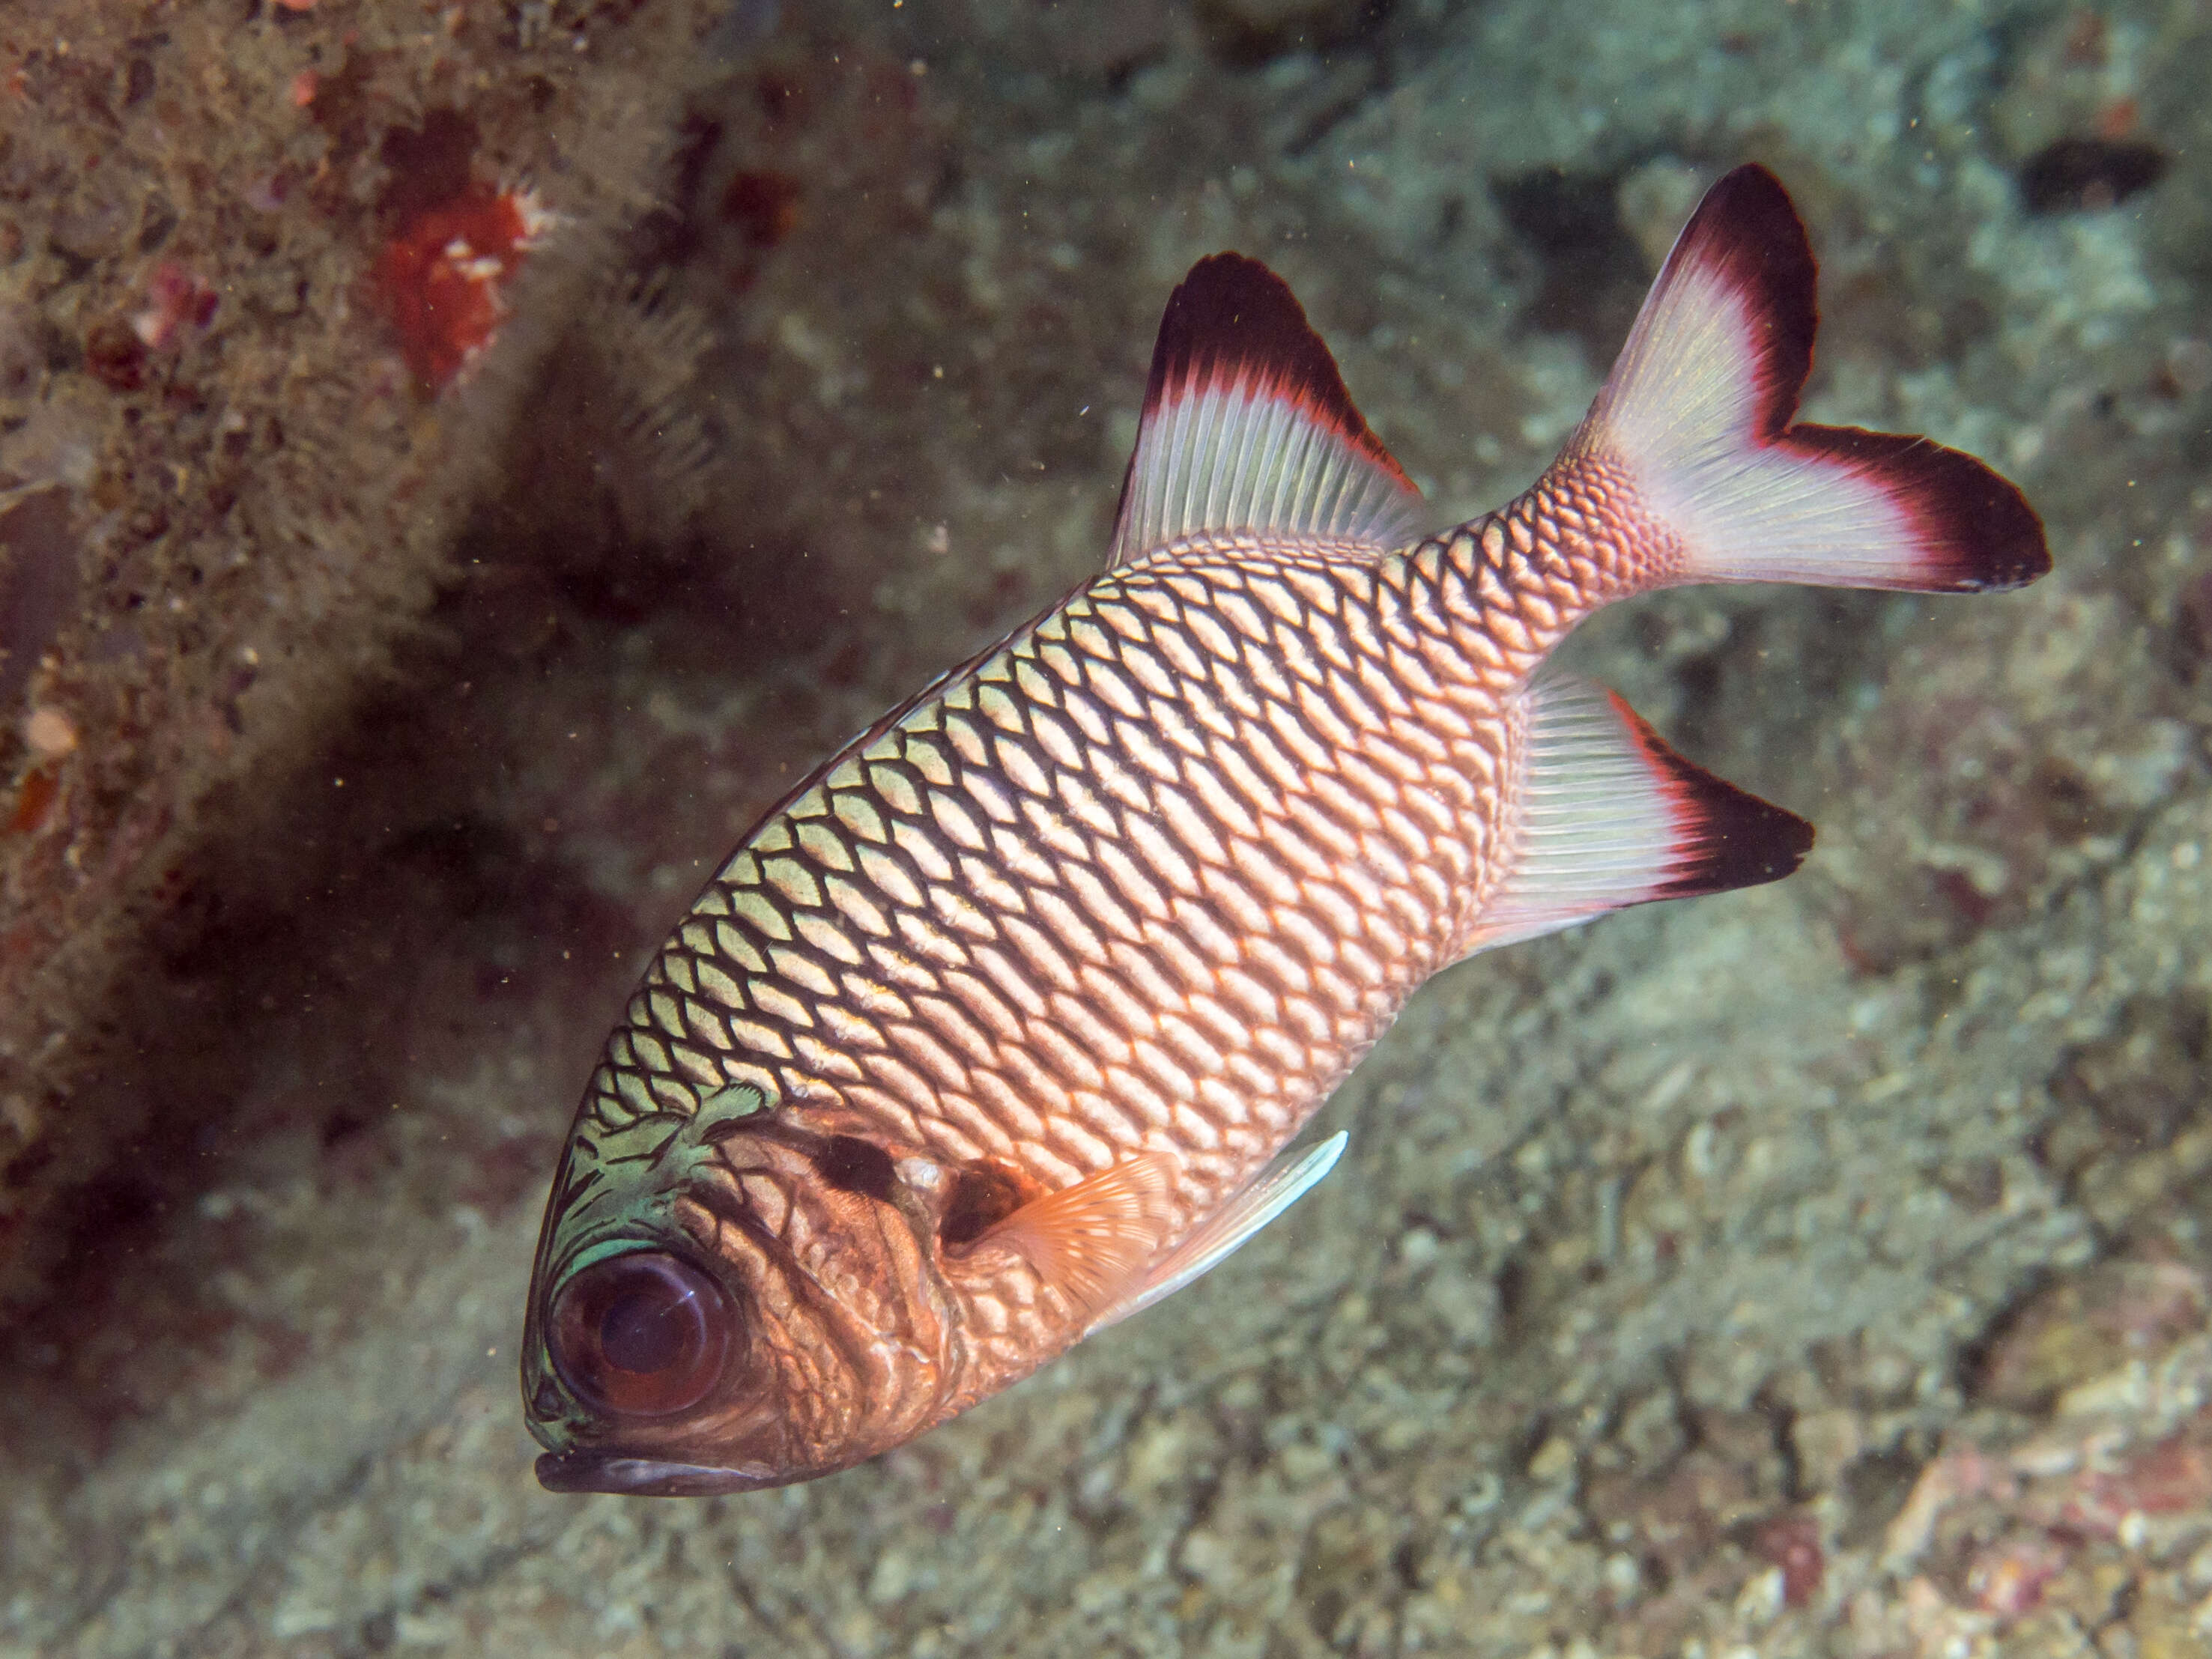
(1247, 426)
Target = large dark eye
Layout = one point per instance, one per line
(643, 1334)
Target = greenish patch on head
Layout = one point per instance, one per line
(627, 1179)
(617, 1191)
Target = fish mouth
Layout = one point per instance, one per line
(649, 1477)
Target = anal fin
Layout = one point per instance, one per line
(1270, 1193)
(1611, 816)
(1090, 1240)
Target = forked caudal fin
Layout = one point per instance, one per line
(1696, 412)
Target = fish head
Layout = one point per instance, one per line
(722, 1302)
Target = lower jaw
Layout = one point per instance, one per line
(647, 1477)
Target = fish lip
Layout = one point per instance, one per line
(648, 1477)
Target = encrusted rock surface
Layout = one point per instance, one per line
(222, 497)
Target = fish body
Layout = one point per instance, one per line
(998, 1029)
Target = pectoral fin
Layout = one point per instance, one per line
(1090, 1240)
(1273, 1191)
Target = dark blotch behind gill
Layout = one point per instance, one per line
(854, 1165)
(982, 1198)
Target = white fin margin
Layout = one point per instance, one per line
(1273, 1191)
(1610, 817)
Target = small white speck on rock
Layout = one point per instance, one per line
(49, 733)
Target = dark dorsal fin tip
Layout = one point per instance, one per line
(1233, 318)
(1248, 427)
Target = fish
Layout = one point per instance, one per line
(1003, 1025)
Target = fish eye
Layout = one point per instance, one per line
(640, 1334)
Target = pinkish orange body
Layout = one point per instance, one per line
(998, 1028)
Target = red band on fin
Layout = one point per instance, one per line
(1233, 320)
(1698, 408)
(1724, 838)
(1248, 426)
(1971, 530)
(1610, 816)
(1746, 237)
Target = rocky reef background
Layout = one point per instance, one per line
(1818, 1270)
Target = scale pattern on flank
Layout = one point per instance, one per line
(1154, 872)
(1001, 1029)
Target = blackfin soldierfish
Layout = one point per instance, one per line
(998, 1029)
